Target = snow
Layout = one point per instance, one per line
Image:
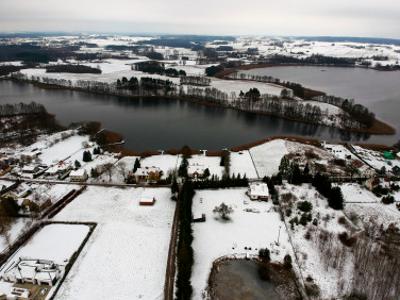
(229, 86)
(353, 192)
(215, 238)
(13, 230)
(311, 260)
(62, 150)
(241, 163)
(267, 157)
(376, 159)
(127, 253)
(203, 162)
(166, 162)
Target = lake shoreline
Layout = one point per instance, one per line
(379, 127)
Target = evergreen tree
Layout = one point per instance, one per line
(136, 165)
(87, 156)
(77, 164)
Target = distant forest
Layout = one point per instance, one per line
(30, 53)
(72, 69)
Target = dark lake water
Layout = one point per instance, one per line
(379, 91)
(164, 124)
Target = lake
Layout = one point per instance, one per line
(163, 124)
(377, 90)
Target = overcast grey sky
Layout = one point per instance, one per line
(380, 18)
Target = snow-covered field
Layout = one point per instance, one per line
(235, 86)
(62, 150)
(267, 157)
(353, 192)
(126, 256)
(241, 163)
(216, 238)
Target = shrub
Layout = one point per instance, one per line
(304, 206)
(287, 262)
(389, 199)
(264, 254)
(305, 218)
(346, 240)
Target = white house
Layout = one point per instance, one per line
(258, 191)
(78, 175)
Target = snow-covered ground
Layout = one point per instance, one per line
(241, 163)
(236, 86)
(215, 237)
(63, 149)
(166, 162)
(311, 252)
(12, 229)
(376, 159)
(202, 162)
(353, 192)
(127, 252)
(267, 157)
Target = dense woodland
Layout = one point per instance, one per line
(72, 69)
(154, 67)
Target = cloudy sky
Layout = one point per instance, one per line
(379, 18)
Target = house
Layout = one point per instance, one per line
(57, 169)
(34, 271)
(196, 171)
(258, 191)
(147, 201)
(372, 182)
(30, 169)
(148, 174)
(78, 175)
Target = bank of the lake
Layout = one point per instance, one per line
(152, 124)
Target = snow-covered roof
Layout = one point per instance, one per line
(147, 170)
(259, 189)
(78, 173)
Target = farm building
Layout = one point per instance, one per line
(258, 191)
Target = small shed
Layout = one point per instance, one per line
(147, 201)
(388, 155)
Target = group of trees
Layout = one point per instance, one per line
(292, 172)
(87, 156)
(315, 59)
(7, 110)
(144, 85)
(72, 69)
(185, 258)
(219, 183)
(325, 188)
(279, 107)
(154, 67)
